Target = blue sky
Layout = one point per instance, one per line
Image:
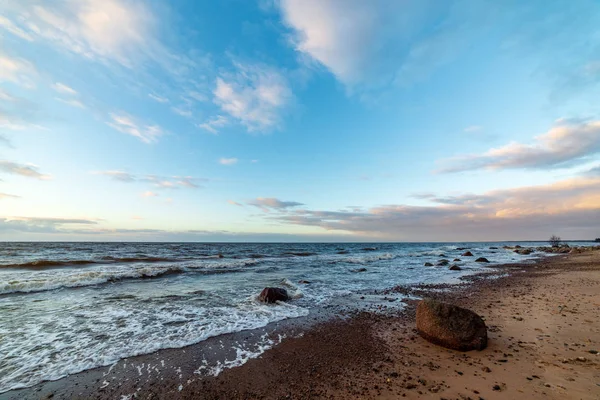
(299, 120)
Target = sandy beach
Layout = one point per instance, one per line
(543, 329)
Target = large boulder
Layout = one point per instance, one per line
(450, 326)
(482, 259)
(467, 254)
(273, 294)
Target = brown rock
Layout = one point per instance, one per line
(428, 264)
(467, 254)
(273, 294)
(455, 268)
(451, 326)
(482, 259)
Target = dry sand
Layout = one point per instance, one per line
(544, 330)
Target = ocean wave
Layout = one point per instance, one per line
(366, 259)
(44, 264)
(48, 282)
(45, 281)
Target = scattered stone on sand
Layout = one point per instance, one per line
(482, 259)
(455, 268)
(451, 326)
(467, 254)
(428, 264)
(442, 263)
(273, 294)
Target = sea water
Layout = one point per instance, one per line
(68, 307)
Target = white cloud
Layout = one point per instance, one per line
(149, 194)
(127, 124)
(8, 25)
(214, 124)
(64, 89)
(568, 143)
(158, 98)
(235, 203)
(7, 196)
(182, 111)
(72, 102)
(270, 203)
(108, 29)
(163, 182)
(27, 170)
(228, 161)
(473, 129)
(17, 70)
(255, 96)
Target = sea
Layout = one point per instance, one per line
(69, 307)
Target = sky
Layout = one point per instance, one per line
(299, 120)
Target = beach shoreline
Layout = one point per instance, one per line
(540, 321)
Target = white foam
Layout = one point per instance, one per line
(243, 355)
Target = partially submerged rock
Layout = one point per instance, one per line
(524, 252)
(273, 294)
(450, 326)
(467, 254)
(428, 264)
(482, 260)
(455, 268)
(442, 263)
(359, 270)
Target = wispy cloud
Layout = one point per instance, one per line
(64, 89)
(235, 203)
(110, 29)
(473, 129)
(255, 96)
(4, 141)
(149, 194)
(228, 161)
(270, 203)
(8, 196)
(17, 70)
(27, 170)
(72, 102)
(214, 124)
(568, 143)
(164, 182)
(127, 124)
(158, 98)
(9, 26)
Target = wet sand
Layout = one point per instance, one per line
(543, 327)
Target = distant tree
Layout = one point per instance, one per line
(554, 241)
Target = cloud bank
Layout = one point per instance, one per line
(568, 143)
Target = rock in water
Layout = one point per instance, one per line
(451, 326)
(455, 268)
(482, 259)
(442, 263)
(467, 254)
(273, 294)
(428, 264)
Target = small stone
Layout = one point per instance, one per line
(581, 359)
(496, 388)
(593, 352)
(486, 369)
(547, 385)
